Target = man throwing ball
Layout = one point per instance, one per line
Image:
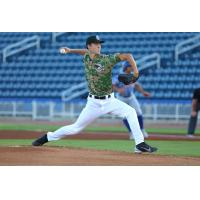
(101, 100)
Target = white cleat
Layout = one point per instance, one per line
(190, 136)
(145, 134)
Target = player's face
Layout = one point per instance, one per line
(95, 48)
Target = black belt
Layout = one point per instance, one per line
(100, 97)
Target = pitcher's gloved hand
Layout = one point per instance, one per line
(128, 79)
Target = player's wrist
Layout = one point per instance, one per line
(69, 50)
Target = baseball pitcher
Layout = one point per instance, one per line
(101, 100)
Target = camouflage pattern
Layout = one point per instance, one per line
(99, 73)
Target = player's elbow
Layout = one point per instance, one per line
(126, 56)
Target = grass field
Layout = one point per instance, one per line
(178, 148)
(44, 127)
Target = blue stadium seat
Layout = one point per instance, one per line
(45, 73)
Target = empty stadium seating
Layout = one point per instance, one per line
(44, 73)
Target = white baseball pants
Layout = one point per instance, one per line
(96, 108)
(133, 102)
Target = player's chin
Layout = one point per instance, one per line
(98, 51)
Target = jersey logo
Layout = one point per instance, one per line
(99, 67)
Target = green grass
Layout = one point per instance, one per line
(177, 148)
(28, 127)
(149, 130)
(45, 128)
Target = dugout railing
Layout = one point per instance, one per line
(51, 110)
(186, 46)
(55, 35)
(18, 47)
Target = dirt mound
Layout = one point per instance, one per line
(45, 156)
(57, 156)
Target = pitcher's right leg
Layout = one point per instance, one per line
(88, 114)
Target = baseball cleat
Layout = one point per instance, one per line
(143, 147)
(190, 136)
(40, 141)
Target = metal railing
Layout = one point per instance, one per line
(186, 45)
(55, 35)
(51, 110)
(74, 91)
(149, 61)
(21, 46)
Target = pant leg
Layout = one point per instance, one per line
(193, 122)
(123, 110)
(127, 124)
(135, 104)
(88, 114)
(141, 121)
(192, 125)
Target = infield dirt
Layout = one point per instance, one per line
(59, 156)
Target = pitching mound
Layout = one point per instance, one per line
(56, 156)
(45, 156)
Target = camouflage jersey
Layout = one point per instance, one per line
(99, 73)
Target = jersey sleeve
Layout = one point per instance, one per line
(114, 59)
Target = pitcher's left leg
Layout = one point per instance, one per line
(135, 104)
(123, 110)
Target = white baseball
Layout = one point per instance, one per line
(62, 50)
